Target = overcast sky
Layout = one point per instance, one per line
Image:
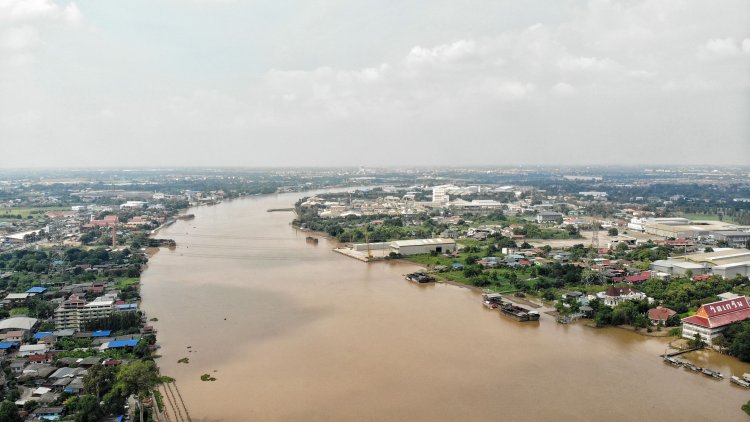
(328, 83)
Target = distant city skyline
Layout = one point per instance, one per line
(213, 83)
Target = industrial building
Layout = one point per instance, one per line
(733, 238)
(423, 246)
(725, 262)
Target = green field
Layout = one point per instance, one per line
(36, 213)
(122, 283)
(706, 217)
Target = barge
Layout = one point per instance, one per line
(492, 300)
(420, 277)
(713, 374)
(672, 361)
(739, 381)
(694, 368)
(518, 312)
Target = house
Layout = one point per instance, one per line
(47, 413)
(659, 315)
(713, 318)
(32, 349)
(16, 336)
(6, 347)
(548, 217)
(616, 295)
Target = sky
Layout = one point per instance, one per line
(266, 83)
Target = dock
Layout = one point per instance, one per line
(279, 209)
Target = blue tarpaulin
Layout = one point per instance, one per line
(101, 333)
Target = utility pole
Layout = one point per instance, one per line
(595, 235)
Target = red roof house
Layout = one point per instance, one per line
(660, 314)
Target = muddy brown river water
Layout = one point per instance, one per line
(293, 331)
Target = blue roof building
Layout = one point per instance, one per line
(42, 334)
(36, 290)
(101, 333)
(118, 344)
(5, 345)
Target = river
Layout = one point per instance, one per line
(293, 331)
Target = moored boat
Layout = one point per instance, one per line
(420, 277)
(672, 361)
(739, 381)
(711, 373)
(518, 312)
(694, 368)
(492, 300)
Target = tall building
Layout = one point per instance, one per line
(75, 312)
(440, 194)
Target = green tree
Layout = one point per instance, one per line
(98, 380)
(9, 412)
(89, 409)
(138, 378)
(613, 231)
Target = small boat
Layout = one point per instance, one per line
(492, 300)
(420, 277)
(739, 381)
(711, 373)
(746, 377)
(694, 368)
(672, 361)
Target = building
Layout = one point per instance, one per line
(17, 323)
(713, 318)
(549, 217)
(440, 194)
(616, 295)
(733, 238)
(422, 246)
(660, 315)
(75, 312)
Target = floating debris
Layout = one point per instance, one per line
(184, 360)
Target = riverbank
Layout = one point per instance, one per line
(296, 331)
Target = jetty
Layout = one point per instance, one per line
(279, 209)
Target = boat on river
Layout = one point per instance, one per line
(420, 277)
(739, 381)
(714, 374)
(672, 361)
(492, 300)
(694, 368)
(518, 312)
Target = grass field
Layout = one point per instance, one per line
(36, 213)
(124, 282)
(706, 217)
(19, 311)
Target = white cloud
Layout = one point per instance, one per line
(724, 47)
(562, 88)
(25, 21)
